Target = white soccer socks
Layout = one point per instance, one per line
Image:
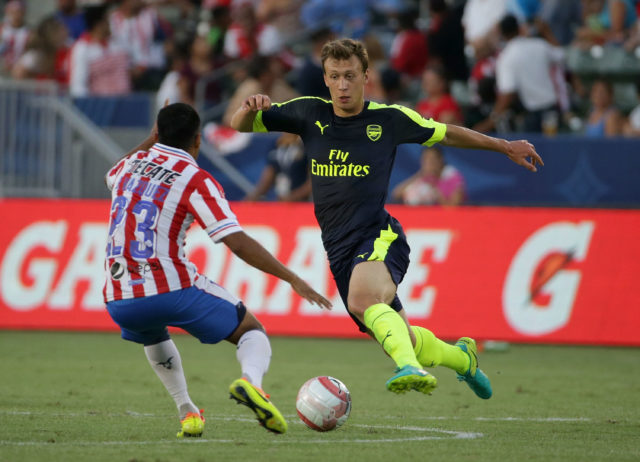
(165, 361)
(254, 354)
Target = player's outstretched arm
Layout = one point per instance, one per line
(242, 119)
(521, 151)
(257, 256)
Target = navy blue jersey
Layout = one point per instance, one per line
(350, 161)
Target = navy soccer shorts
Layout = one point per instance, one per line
(388, 245)
(208, 312)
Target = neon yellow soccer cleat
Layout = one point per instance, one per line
(192, 425)
(258, 401)
(475, 378)
(412, 378)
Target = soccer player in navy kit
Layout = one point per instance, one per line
(351, 144)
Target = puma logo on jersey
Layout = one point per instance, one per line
(322, 127)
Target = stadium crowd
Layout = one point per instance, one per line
(493, 65)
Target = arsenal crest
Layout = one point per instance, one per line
(374, 132)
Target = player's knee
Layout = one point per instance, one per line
(246, 323)
(359, 302)
(250, 322)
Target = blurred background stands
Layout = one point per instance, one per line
(195, 34)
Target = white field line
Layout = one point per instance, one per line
(500, 419)
(440, 434)
(219, 441)
(434, 433)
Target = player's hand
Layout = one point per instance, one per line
(305, 291)
(255, 103)
(524, 153)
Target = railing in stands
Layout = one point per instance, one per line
(49, 148)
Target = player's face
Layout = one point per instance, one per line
(346, 81)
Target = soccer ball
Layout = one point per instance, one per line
(323, 403)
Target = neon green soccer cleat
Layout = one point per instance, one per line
(475, 378)
(192, 425)
(411, 378)
(258, 401)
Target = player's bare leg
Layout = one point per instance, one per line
(371, 289)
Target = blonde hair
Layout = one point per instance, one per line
(343, 49)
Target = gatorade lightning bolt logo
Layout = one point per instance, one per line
(548, 267)
(544, 277)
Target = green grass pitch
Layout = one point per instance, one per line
(93, 397)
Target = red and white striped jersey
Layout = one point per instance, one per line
(98, 68)
(13, 41)
(138, 35)
(155, 197)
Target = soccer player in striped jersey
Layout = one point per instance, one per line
(158, 191)
(351, 144)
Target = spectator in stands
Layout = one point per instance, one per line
(481, 106)
(170, 89)
(374, 88)
(483, 68)
(265, 76)
(393, 87)
(200, 63)
(284, 15)
(606, 22)
(310, 77)
(47, 54)
(287, 171)
(524, 72)
(14, 34)
(438, 104)
(436, 183)
(604, 118)
(445, 39)
(98, 66)
(563, 18)
(72, 17)
(409, 53)
(219, 23)
(480, 18)
(247, 37)
(378, 62)
(527, 12)
(137, 29)
(346, 18)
